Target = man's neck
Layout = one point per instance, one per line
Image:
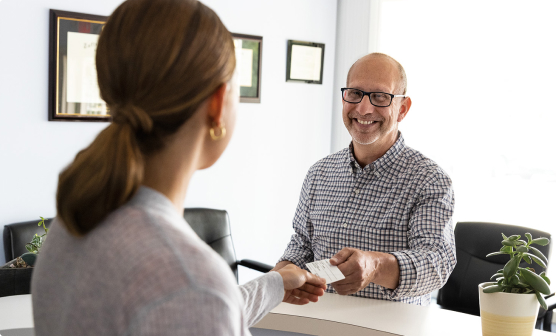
(367, 154)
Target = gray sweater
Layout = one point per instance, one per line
(143, 271)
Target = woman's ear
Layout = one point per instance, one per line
(215, 104)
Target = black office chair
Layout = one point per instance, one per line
(213, 227)
(16, 236)
(474, 240)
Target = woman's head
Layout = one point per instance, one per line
(157, 62)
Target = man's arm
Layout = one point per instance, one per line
(363, 267)
(431, 256)
(299, 250)
(424, 267)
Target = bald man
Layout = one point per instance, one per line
(379, 210)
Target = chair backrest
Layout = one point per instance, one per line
(474, 240)
(213, 227)
(17, 235)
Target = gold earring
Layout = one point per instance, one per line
(222, 131)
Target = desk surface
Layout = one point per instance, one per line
(359, 316)
(332, 315)
(16, 312)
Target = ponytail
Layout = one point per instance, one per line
(103, 177)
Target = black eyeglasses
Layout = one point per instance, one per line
(379, 99)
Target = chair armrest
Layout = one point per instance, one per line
(551, 303)
(257, 266)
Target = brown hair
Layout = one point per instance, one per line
(157, 61)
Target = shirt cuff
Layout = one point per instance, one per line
(296, 259)
(276, 283)
(408, 277)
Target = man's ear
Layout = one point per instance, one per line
(404, 108)
(215, 104)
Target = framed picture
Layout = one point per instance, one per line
(248, 64)
(305, 62)
(73, 93)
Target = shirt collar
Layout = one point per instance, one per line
(384, 162)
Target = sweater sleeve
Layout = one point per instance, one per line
(261, 296)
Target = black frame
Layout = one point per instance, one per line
(57, 71)
(291, 43)
(255, 43)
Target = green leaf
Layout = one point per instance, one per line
(533, 279)
(514, 237)
(521, 242)
(504, 237)
(496, 253)
(541, 300)
(527, 259)
(529, 237)
(496, 275)
(541, 241)
(538, 254)
(535, 259)
(508, 243)
(514, 280)
(522, 249)
(506, 249)
(511, 266)
(30, 249)
(493, 289)
(543, 275)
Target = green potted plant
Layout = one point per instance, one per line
(15, 276)
(510, 304)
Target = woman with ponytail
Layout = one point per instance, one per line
(120, 259)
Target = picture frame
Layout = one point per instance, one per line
(305, 62)
(248, 64)
(73, 93)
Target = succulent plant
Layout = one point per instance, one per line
(36, 243)
(521, 280)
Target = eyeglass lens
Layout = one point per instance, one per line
(377, 98)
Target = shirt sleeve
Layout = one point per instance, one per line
(195, 312)
(261, 296)
(299, 250)
(431, 256)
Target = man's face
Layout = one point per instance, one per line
(369, 124)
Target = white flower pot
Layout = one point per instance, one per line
(507, 314)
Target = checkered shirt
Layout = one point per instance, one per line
(400, 204)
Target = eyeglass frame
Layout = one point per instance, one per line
(365, 93)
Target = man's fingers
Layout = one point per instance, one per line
(341, 256)
(345, 289)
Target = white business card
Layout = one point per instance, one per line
(325, 270)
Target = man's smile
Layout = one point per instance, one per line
(365, 122)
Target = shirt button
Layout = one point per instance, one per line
(345, 225)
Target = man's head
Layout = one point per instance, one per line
(369, 124)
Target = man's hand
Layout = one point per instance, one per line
(363, 267)
(301, 287)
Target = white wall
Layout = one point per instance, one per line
(258, 178)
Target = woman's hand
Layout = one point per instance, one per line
(301, 287)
